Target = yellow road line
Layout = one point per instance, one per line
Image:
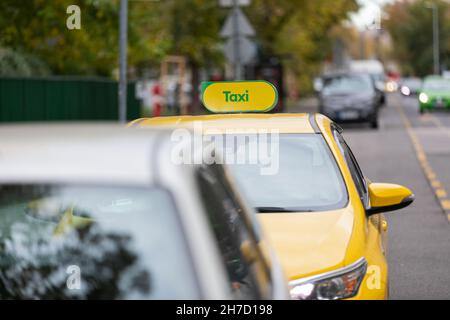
(441, 193)
(438, 188)
(445, 204)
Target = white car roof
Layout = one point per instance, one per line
(77, 153)
(370, 66)
(111, 154)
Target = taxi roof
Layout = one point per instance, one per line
(78, 153)
(282, 122)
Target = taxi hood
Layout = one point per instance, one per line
(309, 243)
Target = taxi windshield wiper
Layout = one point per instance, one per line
(280, 209)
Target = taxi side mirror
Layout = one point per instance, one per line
(386, 197)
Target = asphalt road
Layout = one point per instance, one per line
(413, 150)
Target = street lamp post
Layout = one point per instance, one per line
(236, 45)
(436, 45)
(123, 41)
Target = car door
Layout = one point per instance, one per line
(247, 271)
(376, 230)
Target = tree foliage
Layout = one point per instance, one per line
(410, 24)
(39, 27)
(299, 31)
(158, 28)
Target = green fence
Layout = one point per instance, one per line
(62, 99)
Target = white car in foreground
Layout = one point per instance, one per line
(101, 212)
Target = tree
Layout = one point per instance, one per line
(38, 27)
(300, 30)
(189, 28)
(410, 27)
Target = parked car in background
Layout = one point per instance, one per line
(446, 74)
(375, 69)
(410, 86)
(350, 97)
(434, 94)
(100, 212)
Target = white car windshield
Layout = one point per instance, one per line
(84, 242)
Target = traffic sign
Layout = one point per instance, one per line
(230, 3)
(243, 26)
(246, 50)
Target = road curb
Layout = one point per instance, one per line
(439, 191)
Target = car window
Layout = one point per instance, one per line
(305, 178)
(248, 275)
(377, 76)
(437, 84)
(347, 84)
(86, 242)
(355, 170)
(413, 83)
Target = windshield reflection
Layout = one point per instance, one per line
(70, 242)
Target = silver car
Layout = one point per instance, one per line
(102, 212)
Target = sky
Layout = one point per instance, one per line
(370, 11)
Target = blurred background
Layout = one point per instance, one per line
(51, 72)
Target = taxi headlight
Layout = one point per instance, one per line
(423, 97)
(339, 284)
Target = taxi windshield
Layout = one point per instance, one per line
(84, 242)
(307, 177)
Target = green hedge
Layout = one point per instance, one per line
(62, 99)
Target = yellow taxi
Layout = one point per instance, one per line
(322, 215)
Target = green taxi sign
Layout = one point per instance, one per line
(239, 96)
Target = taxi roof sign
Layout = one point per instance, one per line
(239, 96)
